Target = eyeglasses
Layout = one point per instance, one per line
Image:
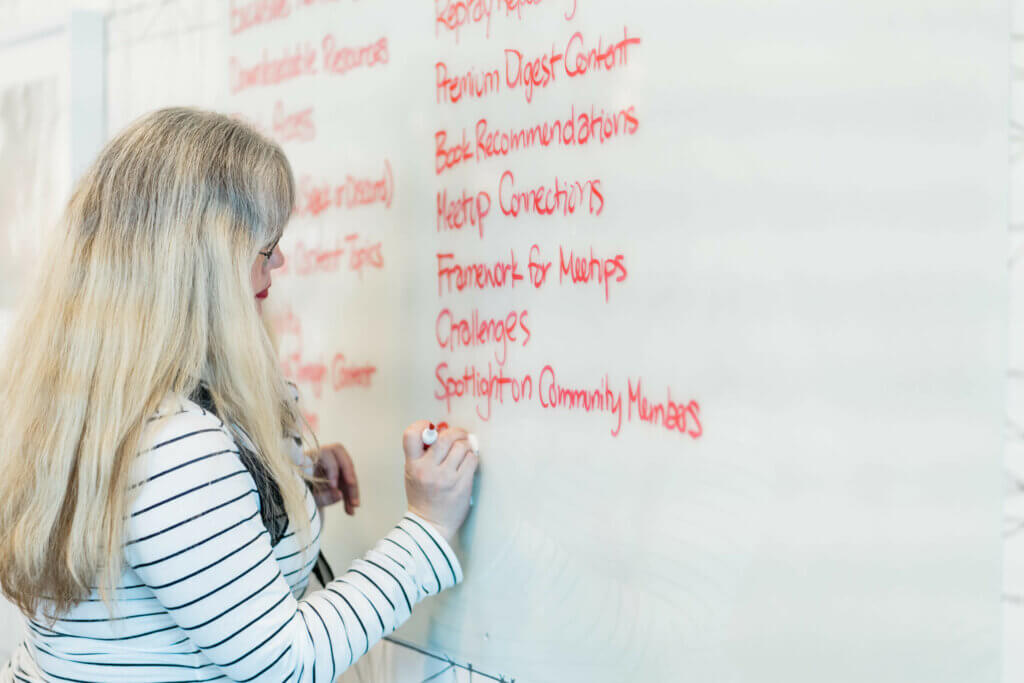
(269, 253)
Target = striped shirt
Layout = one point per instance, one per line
(205, 597)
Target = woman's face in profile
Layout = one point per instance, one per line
(266, 261)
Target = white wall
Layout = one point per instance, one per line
(1013, 527)
(159, 47)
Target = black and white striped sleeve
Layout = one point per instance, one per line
(195, 538)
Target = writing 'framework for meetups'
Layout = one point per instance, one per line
(463, 212)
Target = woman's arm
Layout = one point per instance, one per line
(196, 540)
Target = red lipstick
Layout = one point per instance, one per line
(263, 294)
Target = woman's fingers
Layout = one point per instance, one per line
(412, 439)
(335, 466)
(456, 454)
(326, 468)
(445, 441)
(344, 481)
(349, 483)
(469, 464)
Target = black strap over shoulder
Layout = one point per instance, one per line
(322, 571)
(272, 511)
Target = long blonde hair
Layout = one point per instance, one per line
(146, 290)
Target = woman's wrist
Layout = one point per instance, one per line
(447, 534)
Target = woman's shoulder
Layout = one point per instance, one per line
(182, 440)
(179, 416)
(175, 405)
(187, 467)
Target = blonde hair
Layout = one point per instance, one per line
(146, 290)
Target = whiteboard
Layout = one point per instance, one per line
(1013, 548)
(810, 212)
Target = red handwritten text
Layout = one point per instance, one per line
(544, 200)
(596, 125)
(481, 276)
(340, 374)
(486, 388)
(681, 417)
(296, 125)
(246, 15)
(352, 255)
(453, 332)
(462, 210)
(340, 59)
(454, 88)
(517, 6)
(313, 198)
(494, 386)
(534, 72)
(581, 269)
(576, 59)
(300, 61)
(452, 15)
(446, 156)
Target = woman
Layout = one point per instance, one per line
(154, 520)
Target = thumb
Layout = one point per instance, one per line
(412, 439)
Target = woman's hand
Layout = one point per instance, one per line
(335, 466)
(439, 480)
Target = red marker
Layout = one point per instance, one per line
(430, 434)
